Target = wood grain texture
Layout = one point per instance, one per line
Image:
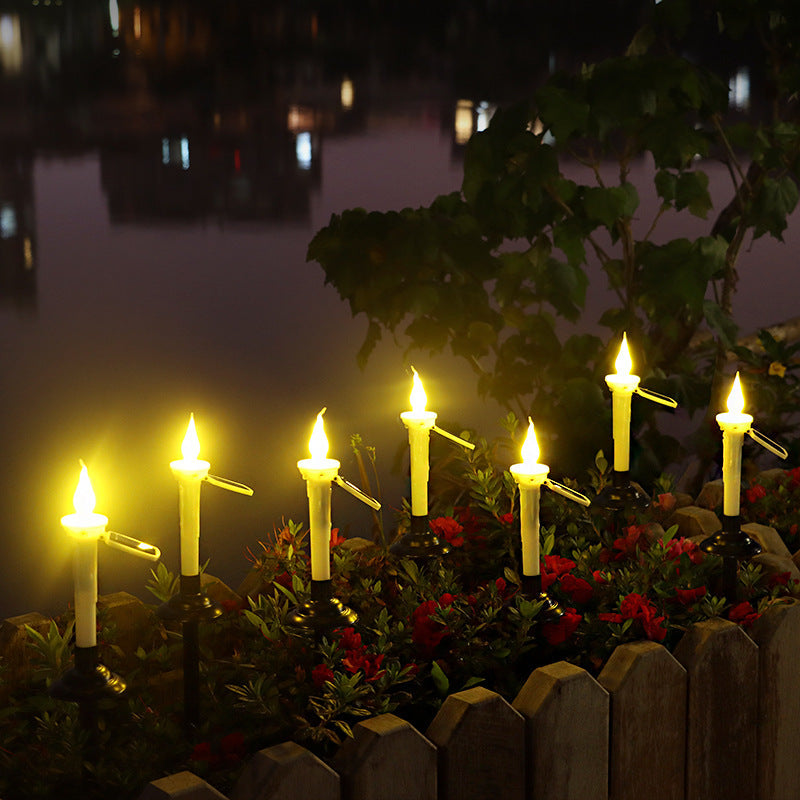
(567, 724)
(286, 772)
(722, 666)
(387, 759)
(481, 744)
(648, 688)
(777, 634)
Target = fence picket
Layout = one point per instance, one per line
(286, 772)
(481, 744)
(648, 715)
(777, 635)
(567, 721)
(387, 759)
(722, 666)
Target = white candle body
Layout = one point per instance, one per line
(622, 387)
(734, 426)
(529, 478)
(318, 474)
(190, 476)
(419, 424)
(86, 529)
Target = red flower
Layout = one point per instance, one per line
(743, 614)
(578, 589)
(548, 578)
(653, 628)
(598, 577)
(680, 545)
(634, 606)
(687, 597)
(611, 616)
(285, 580)
(349, 639)
(232, 747)
(631, 541)
(203, 752)
(336, 540)
(446, 600)
(448, 528)
(427, 633)
(666, 501)
(558, 565)
(468, 519)
(506, 519)
(320, 674)
(779, 579)
(755, 492)
(559, 631)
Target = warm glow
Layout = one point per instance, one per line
(84, 498)
(530, 447)
(190, 448)
(318, 443)
(347, 93)
(623, 364)
(418, 397)
(736, 398)
(464, 121)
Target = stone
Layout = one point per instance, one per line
(14, 649)
(219, 591)
(286, 772)
(773, 475)
(481, 744)
(711, 495)
(566, 733)
(769, 539)
(647, 687)
(167, 688)
(358, 544)
(252, 584)
(683, 499)
(721, 662)
(775, 565)
(693, 521)
(180, 786)
(387, 759)
(132, 623)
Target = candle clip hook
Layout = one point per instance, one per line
(768, 443)
(231, 486)
(656, 397)
(454, 438)
(136, 547)
(352, 489)
(565, 491)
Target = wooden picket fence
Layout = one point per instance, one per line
(717, 720)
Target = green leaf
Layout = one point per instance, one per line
(440, 680)
(691, 192)
(562, 111)
(721, 323)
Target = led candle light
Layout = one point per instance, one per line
(86, 527)
(190, 472)
(622, 385)
(530, 475)
(734, 425)
(318, 472)
(419, 423)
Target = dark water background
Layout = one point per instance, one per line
(159, 186)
